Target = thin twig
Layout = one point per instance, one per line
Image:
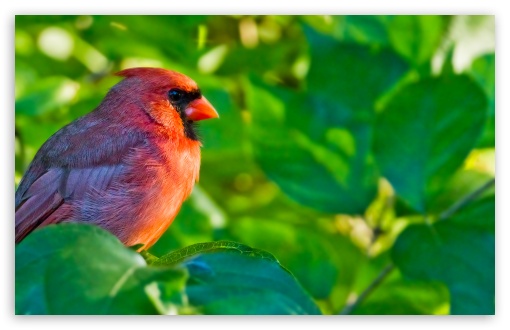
(466, 199)
(375, 283)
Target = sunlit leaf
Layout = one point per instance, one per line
(472, 36)
(416, 37)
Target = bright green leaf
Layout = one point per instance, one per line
(416, 37)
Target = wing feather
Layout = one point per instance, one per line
(57, 188)
(71, 164)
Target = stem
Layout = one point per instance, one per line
(375, 283)
(149, 258)
(466, 199)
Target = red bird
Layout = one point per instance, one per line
(127, 166)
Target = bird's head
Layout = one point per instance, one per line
(170, 98)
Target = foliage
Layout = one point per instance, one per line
(351, 148)
(118, 281)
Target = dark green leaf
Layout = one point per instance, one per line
(424, 134)
(351, 75)
(483, 70)
(459, 251)
(462, 183)
(232, 278)
(364, 29)
(82, 269)
(315, 151)
(308, 253)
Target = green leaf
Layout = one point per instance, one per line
(318, 147)
(459, 251)
(313, 151)
(353, 76)
(416, 37)
(308, 253)
(483, 70)
(424, 134)
(82, 269)
(463, 183)
(364, 29)
(231, 278)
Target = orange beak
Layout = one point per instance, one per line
(200, 109)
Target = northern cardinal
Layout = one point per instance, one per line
(127, 166)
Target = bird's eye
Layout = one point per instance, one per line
(175, 95)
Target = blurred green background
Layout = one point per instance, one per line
(344, 144)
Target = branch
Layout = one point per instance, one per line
(466, 199)
(375, 283)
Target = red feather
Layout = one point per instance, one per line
(127, 166)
